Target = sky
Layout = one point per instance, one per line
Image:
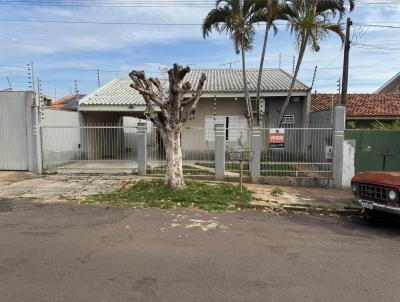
(63, 53)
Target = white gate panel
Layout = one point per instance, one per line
(13, 136)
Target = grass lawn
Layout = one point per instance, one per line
(154, 194)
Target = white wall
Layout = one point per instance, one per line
(349, 150)
(61, 137)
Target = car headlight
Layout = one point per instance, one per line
(354, 187)
(392, 195)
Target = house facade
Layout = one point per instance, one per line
(222, 102)
(222, 98)
(391, 86)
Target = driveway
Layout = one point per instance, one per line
(70, 252)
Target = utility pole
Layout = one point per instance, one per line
(345, 75)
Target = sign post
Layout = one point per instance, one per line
(276, 138)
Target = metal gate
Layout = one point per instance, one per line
(13, 131)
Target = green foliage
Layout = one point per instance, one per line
(386, 126)
(277, 191)
(235, 18)
(351, 125)
(155, 194)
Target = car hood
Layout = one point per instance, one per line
(390, 179)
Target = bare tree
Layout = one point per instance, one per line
(169, 113)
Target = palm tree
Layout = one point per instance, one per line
(235, 18)
(310, 22)
(269, 11)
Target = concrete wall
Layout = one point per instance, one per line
(323, 118)
(349, 150)
(61, 137)
(19, 131)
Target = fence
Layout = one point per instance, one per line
(376, 150)
(197, 152)
(306, 151)
(62, 145)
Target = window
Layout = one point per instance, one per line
(398, 89)
(288, 119)
(253, 101)
(235, 126)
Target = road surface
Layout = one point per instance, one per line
(70, 252)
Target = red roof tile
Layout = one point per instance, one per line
(382, 104)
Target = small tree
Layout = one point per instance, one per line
(310, 22)
(169, 113)
(268, 11)
(237, 19)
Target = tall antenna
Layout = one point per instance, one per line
(229, 63)
(9, 83)
(98, 78)
(314, 76)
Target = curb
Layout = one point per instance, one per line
(343, 212)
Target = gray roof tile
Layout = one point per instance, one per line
(118, 91)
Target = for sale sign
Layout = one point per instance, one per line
(277, 138)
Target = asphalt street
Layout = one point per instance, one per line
(71, 252)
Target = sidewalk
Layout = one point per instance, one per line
(61, 188)
(303, 198)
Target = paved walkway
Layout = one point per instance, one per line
(58, 188)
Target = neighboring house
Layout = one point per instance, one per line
(362, 109)
(391, 86)
(69, 103)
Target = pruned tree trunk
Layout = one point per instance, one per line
(173, 152)
(170, 113)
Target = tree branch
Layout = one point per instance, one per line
(194, 100)
(145, 88)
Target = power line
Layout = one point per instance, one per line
(99, 22)
(140, 3)
(377, 25)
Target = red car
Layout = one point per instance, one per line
(377, 191)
